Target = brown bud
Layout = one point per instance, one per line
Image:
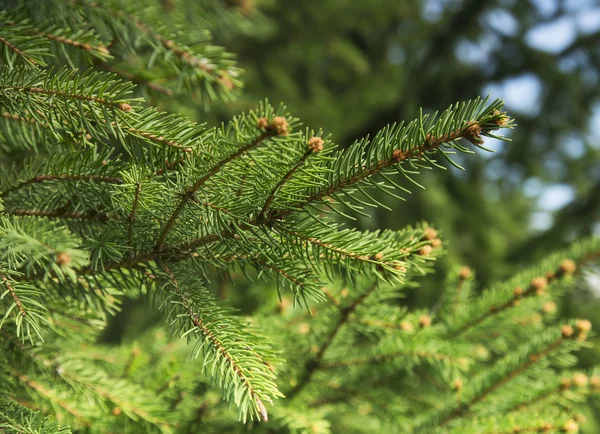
(565, 383)
(378, 256)
(315, 144)
(566, 330)
(116, 411)
(63, 258)
(406, 326)
(502, 121)
(400, 268)
(473, 134)
(595, 382)
(549, 307)
(262, 123)
(429, 234)
(458, 384)
(465, 273)
(583, 325)
(303, 328)
(425, 250)
(425, 321)
(567, 267)
(580, 380)
(125, 107)
(518, 291)
(539, 283)
(281, 125)
(571, 426)
(436, 243)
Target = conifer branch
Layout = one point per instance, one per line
(159, 139)
(63, 177)
(18, 51)
(36, 90)
(530, 361)
(536, 286)
(13, 294)
(315, 363)
(190, 192)
(470, 131)
(382, 358)
(263, 212)
(43, 391)
(132, 214)
(87, 47)
(218, 345)
(61, 214)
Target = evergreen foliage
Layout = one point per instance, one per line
(106, 198)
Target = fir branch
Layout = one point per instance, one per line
(382, 358)
(15, 49)
(263, 212)
(430, 143)
(132, 213)
(50, 396)
(536, 285)
(315, 363)
(61, 214)
(530, 361)
(234, 366)
(62, 177)
(137, 79)
(24, 418)
(33, 90)
(13, 294)
(191, 191)
(159, 139)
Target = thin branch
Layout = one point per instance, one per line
(190, 192)
(312, 365)
(49, 92)
(88, 215)
(517, 295)
(50, 396)
(18, 51)
(159, 139)
(13, 294)
(380, 358)
(288, 175)
(132, 214)
(137, 79)
(79, 45)
(430, 144)
(217, 344)
(62, 177)
(531, 360)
